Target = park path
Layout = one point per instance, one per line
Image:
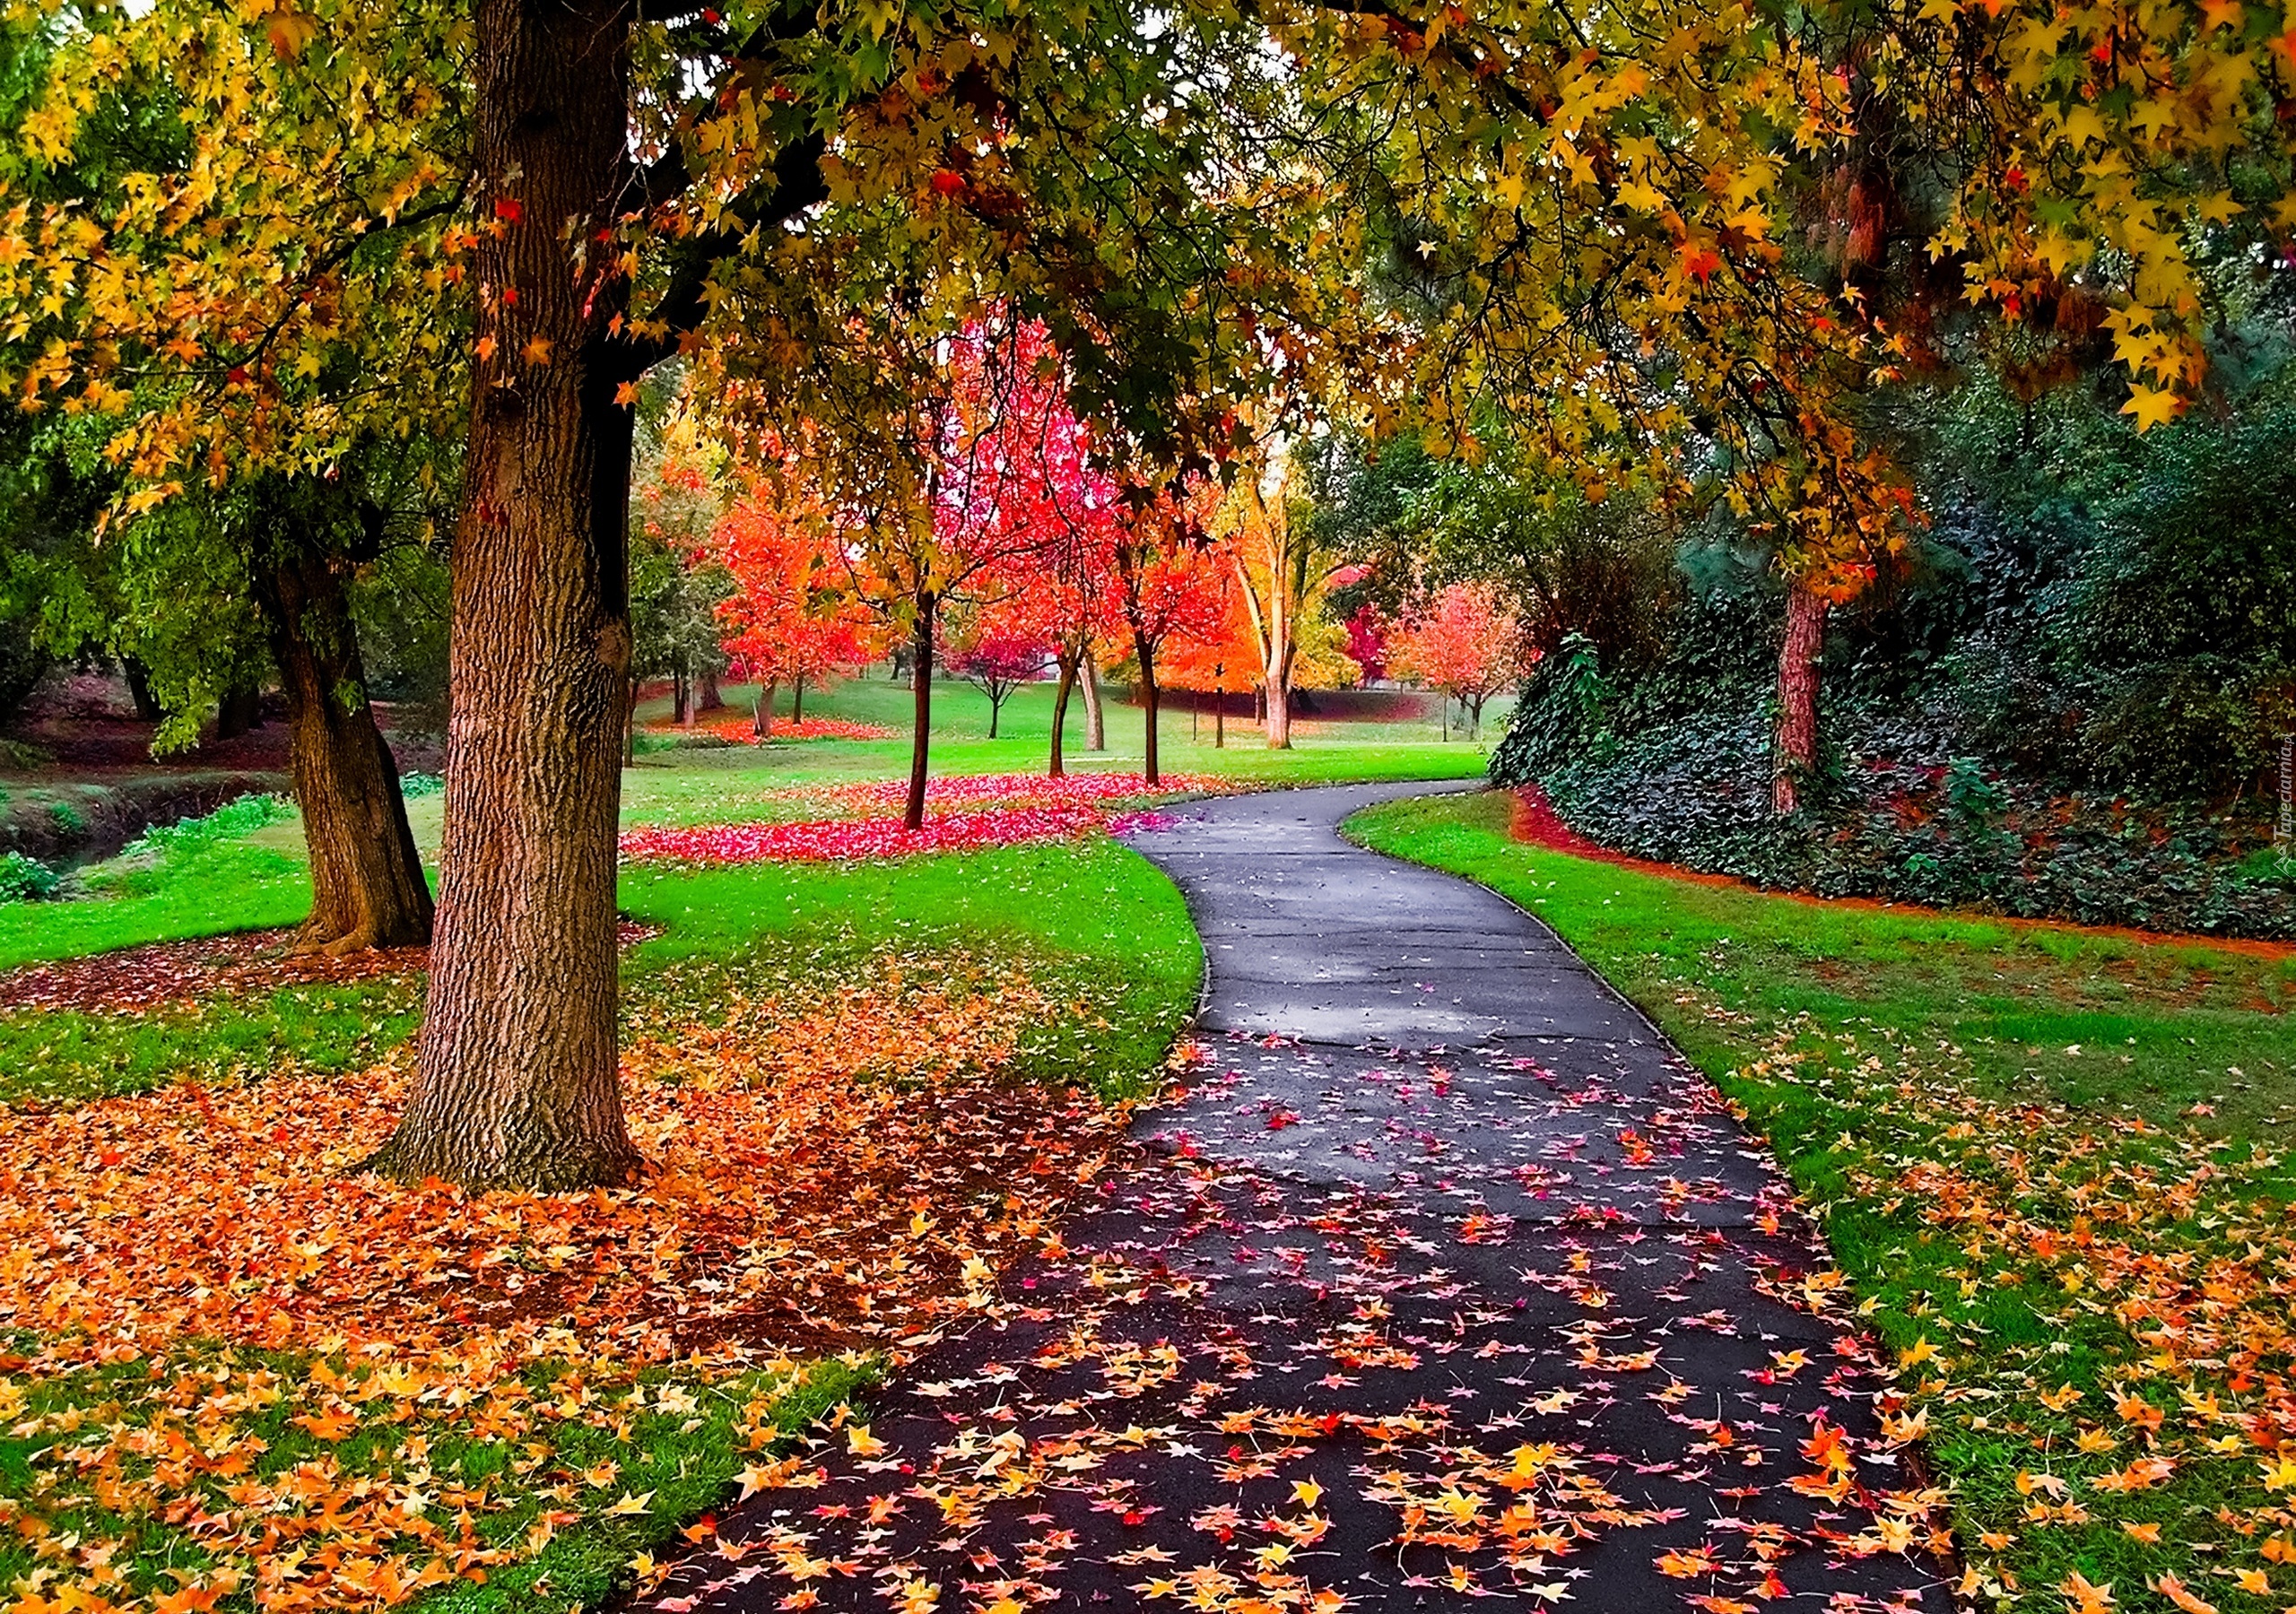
(1449, 1280)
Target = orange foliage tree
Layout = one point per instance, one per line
(1464, 642)
(791, 616)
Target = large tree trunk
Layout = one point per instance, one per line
(712, 698)
(1060, 714)
(1797, 695)
(1148, 695)
(1096, 725)
(516, 1081)
(682, 699)
(367, 884)
(921, 684)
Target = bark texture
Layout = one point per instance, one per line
(1798, 696)
(516, 1081)
(367, 884)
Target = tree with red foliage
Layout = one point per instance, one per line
(996, 654)
(1464, 642)
(791, 616)
(1054, 585)
(1170, 585)
(1367, 641)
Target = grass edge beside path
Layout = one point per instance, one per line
(2048, 1163)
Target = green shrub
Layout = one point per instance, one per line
(26, 878)
(69, 823)
(414, 787)
(233, 821)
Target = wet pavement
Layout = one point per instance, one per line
(1448, 1280)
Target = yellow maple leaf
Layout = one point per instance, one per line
(629, 1506)
(2152, 406)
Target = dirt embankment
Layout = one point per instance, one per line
(78, 780)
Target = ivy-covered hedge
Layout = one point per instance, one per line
(1898, 821)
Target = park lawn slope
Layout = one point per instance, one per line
(2050, 1160)
(240, 1373)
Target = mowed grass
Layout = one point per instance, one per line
(2072, 1085)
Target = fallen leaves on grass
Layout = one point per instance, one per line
(174, 972)
(963, 814)
(132, 979)
(2103, 1308)
(249, 1354)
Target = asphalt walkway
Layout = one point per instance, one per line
(1448, 1279)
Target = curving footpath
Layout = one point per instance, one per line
(1449, 1280)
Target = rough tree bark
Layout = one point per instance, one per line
(1069, 664)
(681, 699)
(761, 717)
(516, 1081)
(921, 683)
(367, 884)
(1096, 726)
(1798, 696)
(712, 698)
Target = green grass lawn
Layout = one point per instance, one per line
(1998, 1125)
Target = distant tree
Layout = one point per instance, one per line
(1223, 662)
(790, 616)
(1463, 642)
(1286, 564)
(994, 655)
(1170, 585)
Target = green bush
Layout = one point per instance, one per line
(70, 825)
(26, 878)
(414, 787)
(234, 821)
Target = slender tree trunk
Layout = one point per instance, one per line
(367, 884)
(762, 718)
(1475, 717)
(1220, 722)
(1259, 704)
(1798, 696)
(1149, 697)
(682, 698)
(713, 699)
(1060, 714)
(912, 816)
(797, 698)
(1096, 726)
(516, 1081)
